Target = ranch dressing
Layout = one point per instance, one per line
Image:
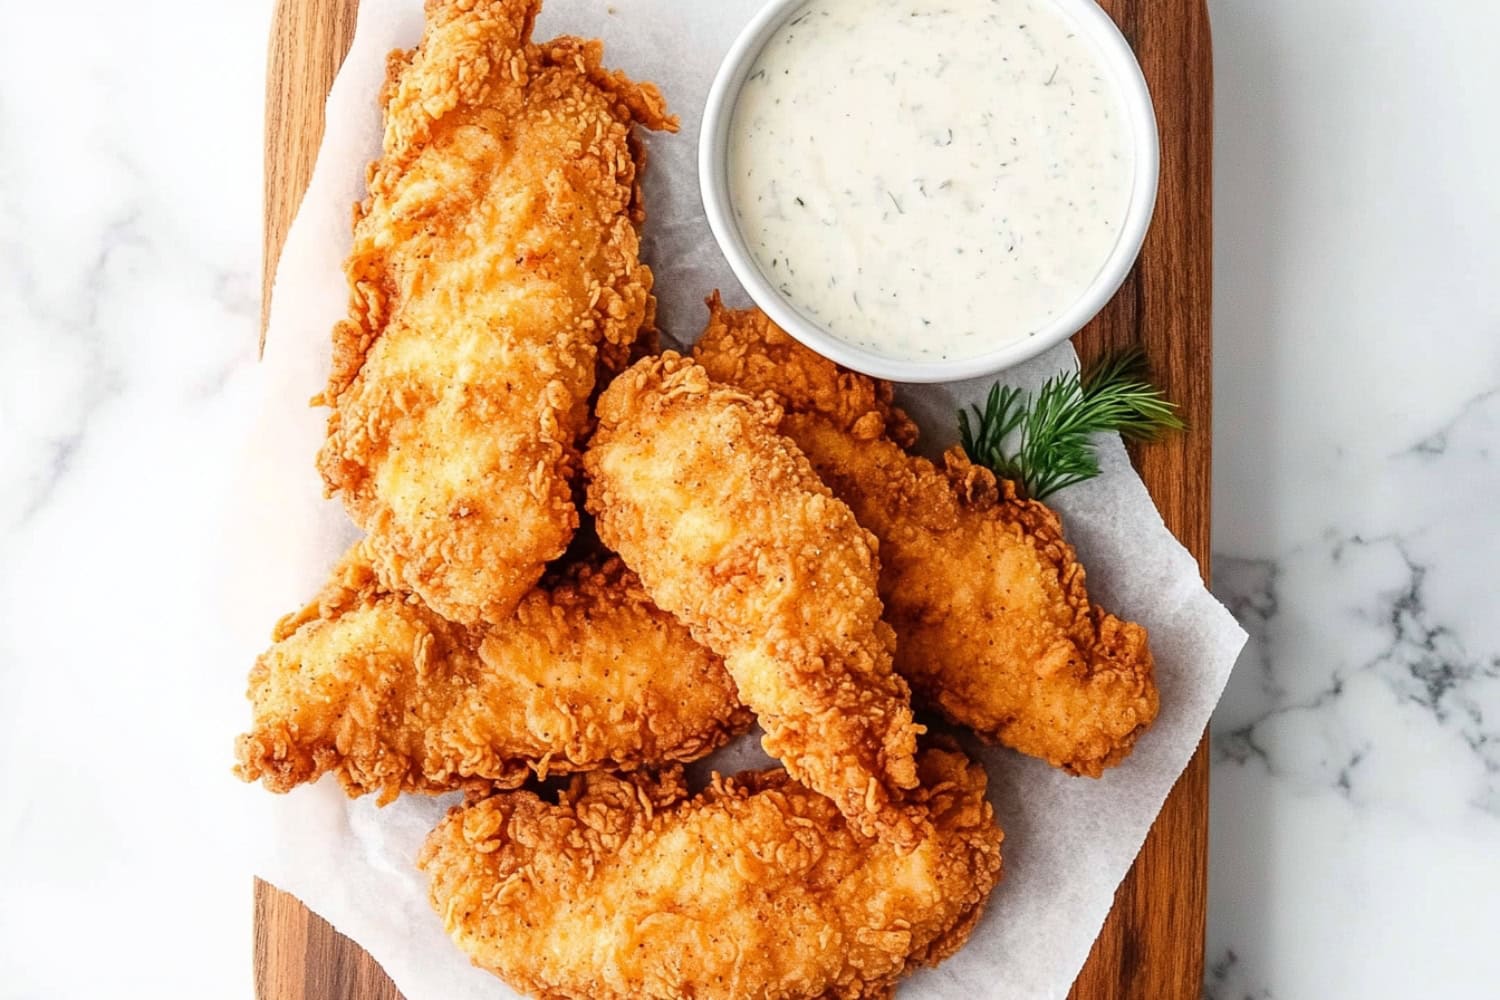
(930, 179)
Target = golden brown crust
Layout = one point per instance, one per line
(731, 530)
(494, 254)
(991, 610)
(752, 353)
(629, 888)
(377, 689)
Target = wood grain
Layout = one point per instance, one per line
(298, 955)
(309, 39)
(1151, 947)
(1152, 944)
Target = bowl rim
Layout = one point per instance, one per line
(713, 183)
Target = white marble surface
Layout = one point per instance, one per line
(1355, 845)
(1356, 803)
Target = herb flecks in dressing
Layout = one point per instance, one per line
(930, 178)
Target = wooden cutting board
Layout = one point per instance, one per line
(1151, 947)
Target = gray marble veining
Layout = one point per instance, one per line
(1356, 755)
(1355, 840)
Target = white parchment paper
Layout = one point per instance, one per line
(1068, 841)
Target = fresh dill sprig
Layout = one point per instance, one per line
(1045, 443)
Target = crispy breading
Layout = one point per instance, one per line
(495, 256)
(991, 610)
(731, 530)
(629, 889)
(376, 688)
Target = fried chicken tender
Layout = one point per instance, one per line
(628, 888)
(731, 530)
(495, 257)
(391, 698)
(993, 620)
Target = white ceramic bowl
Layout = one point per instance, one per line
(713, 179)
